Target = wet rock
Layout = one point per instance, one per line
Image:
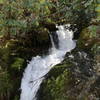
(89, 37)
(69, 79)
(77, 77)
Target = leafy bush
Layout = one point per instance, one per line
(19, 16)
(5, 85)
(18, 63)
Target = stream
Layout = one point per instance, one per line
(39, 66)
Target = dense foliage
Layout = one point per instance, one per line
(25, 26)
(18, 17)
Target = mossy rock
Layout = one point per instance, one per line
(18, 63)
(55, 85)
(89, 37)
(70, 80)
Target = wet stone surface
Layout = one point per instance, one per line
(81, 82)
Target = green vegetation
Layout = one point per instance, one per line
(74, 78)
(25, 26)
(21, 17)
(1, 1)
(57, 82)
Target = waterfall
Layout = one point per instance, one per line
(39, 66)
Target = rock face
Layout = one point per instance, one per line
(67, 81)
(77, 78)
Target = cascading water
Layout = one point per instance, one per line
(40, 66)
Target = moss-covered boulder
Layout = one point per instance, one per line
(56, 84)
(71, 80)
(89, 37)
(77, 77)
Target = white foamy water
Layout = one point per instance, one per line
(40, 66)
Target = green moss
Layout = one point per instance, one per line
(55, 87)
(96, 49)
(89, 36)
(16, 98)
(1, 1)
(5, 85)
(18, 63)
(56, 84)
(4, 57)
(69, 79)
(11, 66)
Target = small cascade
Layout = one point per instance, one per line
(39, 66)
(53, 44)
